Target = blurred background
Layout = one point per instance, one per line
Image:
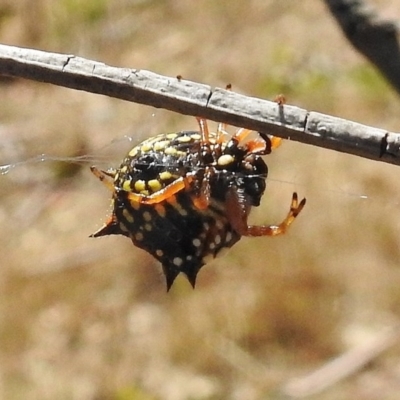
(88, 318)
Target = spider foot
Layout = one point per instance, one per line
(295, 209)
(295, 206)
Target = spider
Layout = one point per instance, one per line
(184, 197)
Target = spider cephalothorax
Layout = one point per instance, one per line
(183, 197)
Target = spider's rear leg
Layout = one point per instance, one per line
(238, 217)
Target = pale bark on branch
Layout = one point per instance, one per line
(343, 366)
(377, 39)
(196, 99)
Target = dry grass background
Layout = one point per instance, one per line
(90, 319)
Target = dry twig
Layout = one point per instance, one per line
(343, 366)
(196, 99)
(376, 39)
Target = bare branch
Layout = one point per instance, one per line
(376, 39)
(195, 99)
(343, 366)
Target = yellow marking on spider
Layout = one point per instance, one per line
(184, 139)
(146, 147)
(164, 176)
(154, 185)
(171, 151)
(126, 186)
(140, 185)
(161, 145)
(133, 152)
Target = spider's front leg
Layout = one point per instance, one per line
(105, 177)
(201, 200)
(238, 214)
(163, 194)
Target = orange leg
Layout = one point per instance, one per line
(107, 178)
(238, 213)
(163, 194)
(221, 131)
(275, 142)
(271, 142)
(202, 201)
(241, 134)
(256, 145)
(205, 134)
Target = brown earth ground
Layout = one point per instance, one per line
(90, 319)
